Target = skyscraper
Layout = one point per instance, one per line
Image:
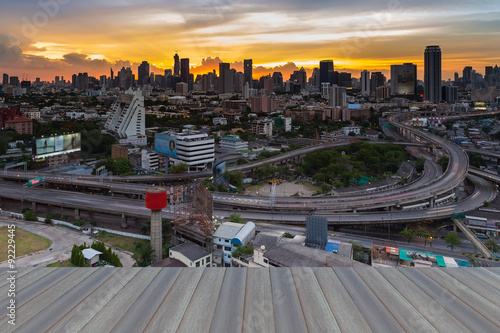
(365, 83)
(5, 79)
(432, 74)
(177, 65)
(404, 79)
(326, 71)
(467, 75)
(247, 70)
(377, 80)
(143, 73)
(185, 70)
(225, 78)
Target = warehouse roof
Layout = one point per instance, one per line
(260, 299)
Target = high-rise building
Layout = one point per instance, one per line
(125, 78)
(143, 73)
(314, 79)
(267, 84)
(300, 77)
(112, 74)
(450, 93)
(404, 79)
(467, 75)
(432, 74)
(14, 81)
(344, 79)
(128, 116)
(326, 71)
(247, 70)
(336, 96)
(377, 80)
(185, 70)
(365, 83)
(5, 79)
(177, 65)
(225, 78)
(277, 81)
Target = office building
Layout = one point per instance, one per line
(343, 79)
(143, 73)
(377, 80)
(247, 71)
(225, 78)
(263, 103)
(193, 148)
(300, 77)
(365, 83)
(432, 74)
(14, 81)
(267, 83)
(382, 93)
(177, 65)
(128, 115)
(450, 93)
(326, 71)
(404, 79)
(233, 143)
(277, 81)
(5, 79)
(185, 70)
(125, 78)
(467, 75)
(336, 96)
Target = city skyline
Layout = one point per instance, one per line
(56, 38)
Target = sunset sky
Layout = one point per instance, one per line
(70, 36)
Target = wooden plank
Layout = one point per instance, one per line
(259, 312)
(403, 311)
(113, 311)
(488, 309)
(375, 313)
(288, 314)
(59, 299)
(454, 305)
(168, 317)
(228, 316)
(317, 312)
(441, 319)
(479, 286)
(150, 299)
(199, 314)
(80, 315)
(346, 313)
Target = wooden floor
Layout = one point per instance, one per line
(254, 300)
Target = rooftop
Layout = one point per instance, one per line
(191, 251)
(228, 230)
(169, 262)
(261, 300)
(90, 253)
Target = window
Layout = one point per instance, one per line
(227, 248)
(208, 259)
(266, 261)
(197, 264)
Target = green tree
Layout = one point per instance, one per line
(443, 162)
(325, 188)
(492, 245)
(452, 240)
(358, 253)
(30, 215)
(143, 254)
(408, 234)
(178, 168)
(486, 203)
(419, 164)
(241, 161)
(235, 178)
(236, 218)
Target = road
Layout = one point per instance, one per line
(62, 240)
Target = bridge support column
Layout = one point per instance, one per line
(454, 227)
(124, 221)
(77, 213)
(354, 210)
(33, 206)
(431, 203)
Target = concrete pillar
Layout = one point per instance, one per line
(124, 221)
(156, 235)
(454, 227)
(431, 203)
(77, 214)
(33, 206)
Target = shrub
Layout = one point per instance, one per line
(30, 215)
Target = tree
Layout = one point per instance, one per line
(452, 240)
(178, 168)
(236, 218)
(443, 162)
(235, 178)
(492, 245)
(30, 215)
(143, 254)
(357, 252)
(408, 234)
(419, 164)
(325, 188)
(486, 203)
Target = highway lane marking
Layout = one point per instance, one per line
(440, 211)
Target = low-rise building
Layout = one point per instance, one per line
(263, 127)
(233, 143)
(91, 256)
(21, 125)
(192, 255)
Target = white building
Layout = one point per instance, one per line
(233, 143)
(263, 127)
(222, 243)
(91, 256)
(195, 149)
(191, 255)
(128, 116)
(219, 121)
(348, 129)
(149, 159)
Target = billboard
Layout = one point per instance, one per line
(219, 173)
(166, 144)
(56, 145)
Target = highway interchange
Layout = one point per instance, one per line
(433, 193)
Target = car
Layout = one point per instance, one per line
(481, 235)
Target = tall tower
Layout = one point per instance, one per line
(177, 65)
(185, 70)
(156, 200)
(247, 70)
(224, 73)
(365, 83)
(143, 73)
(404, 79)
(432, 74)
(326, 71)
